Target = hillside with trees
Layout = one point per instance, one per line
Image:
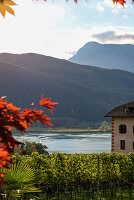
(84, 93)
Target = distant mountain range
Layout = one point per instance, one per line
(109, 56)
(84, 93)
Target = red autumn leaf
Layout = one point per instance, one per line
(12, 108)
(46, 103)
(3, 104)
(122, 2)
(35, 115)
(11, 116)
(4, 161)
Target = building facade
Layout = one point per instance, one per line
(122, 128)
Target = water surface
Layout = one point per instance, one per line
(71, 142)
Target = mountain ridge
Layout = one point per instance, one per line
(109, 56)
(84, 93)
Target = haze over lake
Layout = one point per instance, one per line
(71, 142)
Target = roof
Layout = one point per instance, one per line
(125, 110)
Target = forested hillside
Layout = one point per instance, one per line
(84, 93)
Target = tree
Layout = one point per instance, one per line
(5, 5)
(13, 117)
(29, 147)
(104, 126)
(41, 149)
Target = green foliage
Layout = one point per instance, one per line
(41, 149)
(19, 180)
(104, 126)
(60, 171)
(29, 147)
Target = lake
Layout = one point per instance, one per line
(86, 142)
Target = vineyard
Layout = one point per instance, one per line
(62, 173)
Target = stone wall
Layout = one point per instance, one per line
(128, 136)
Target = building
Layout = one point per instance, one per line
(122, 128)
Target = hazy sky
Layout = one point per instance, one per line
(59, 29)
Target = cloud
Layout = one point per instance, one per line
(111, 36)
(108, 3)
(125, 16)
(100, 7)
(56, 29)
(114, 8)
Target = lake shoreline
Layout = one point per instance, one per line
(65, 130)
(69, 142)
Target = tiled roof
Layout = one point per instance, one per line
(125, 110)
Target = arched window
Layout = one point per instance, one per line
(122, 128)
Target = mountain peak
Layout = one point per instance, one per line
(109, 56)
(92, 43)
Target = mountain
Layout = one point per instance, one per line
(109, 56)
(84, 93)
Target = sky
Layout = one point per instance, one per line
(58, 28)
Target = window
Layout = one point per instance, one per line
(122, 144)
(126, 111)
(133, 129)
(133, 145)
(122, 128)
